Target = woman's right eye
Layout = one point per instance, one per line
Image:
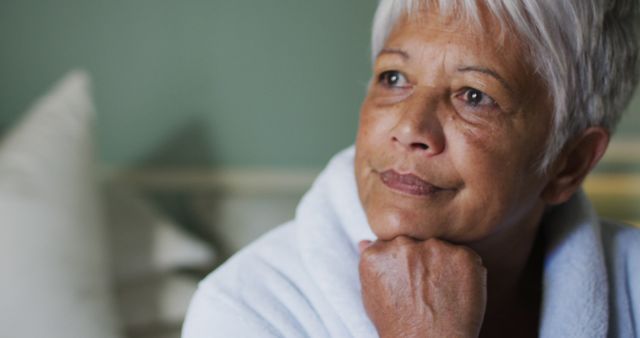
(392, 78)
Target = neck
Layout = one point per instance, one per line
(513, 280)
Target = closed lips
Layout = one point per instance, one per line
(408, 183)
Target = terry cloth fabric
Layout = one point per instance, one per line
(301, 279)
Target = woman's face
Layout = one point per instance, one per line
(450, 134)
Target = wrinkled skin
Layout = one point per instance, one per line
(419, 274)
(447, 152)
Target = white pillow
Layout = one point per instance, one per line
(150, 254)
(161, 302)
(145, 242)
(55, 279)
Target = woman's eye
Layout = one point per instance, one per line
(476, 98)
(392, 78)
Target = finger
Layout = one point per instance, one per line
(451, 247)
(363, 245)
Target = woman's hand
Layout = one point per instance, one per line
(426, 288)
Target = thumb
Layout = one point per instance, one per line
(363, 245)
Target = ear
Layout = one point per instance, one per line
(574, 163)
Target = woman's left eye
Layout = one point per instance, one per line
(476, 98)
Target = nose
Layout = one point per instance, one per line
(418, 128)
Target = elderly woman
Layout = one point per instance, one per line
(459, 212)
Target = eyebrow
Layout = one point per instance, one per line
(484, 70)
(489, 72)
(395, 51)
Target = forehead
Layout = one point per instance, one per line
(472, 16)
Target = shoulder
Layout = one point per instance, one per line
(261, 291)
(621, 239)
(621, 244)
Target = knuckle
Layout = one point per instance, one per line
(402, 240)
(435, 247)
(368, 254)
(405, 249)
(366, 265)
(464, 254)
(401, 245)
(432, 242)
(368, 257)
(472, 256)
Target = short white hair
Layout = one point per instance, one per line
(584, 50)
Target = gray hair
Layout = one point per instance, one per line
(585, 51)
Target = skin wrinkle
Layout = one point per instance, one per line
(393, 51)
(555, 45)
(488, 72)
(468, 148)
(420, 121)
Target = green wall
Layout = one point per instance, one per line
(230, 83)
(258, 83)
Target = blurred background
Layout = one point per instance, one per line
(239, 83)
(213, 118)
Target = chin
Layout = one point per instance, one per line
(389, 223)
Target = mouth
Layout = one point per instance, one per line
(409, 184)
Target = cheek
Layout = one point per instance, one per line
(372, 119)
(365, 125)
(372, 139)
(365, 144)
(479, 137)
(489, 167)
(500, 181)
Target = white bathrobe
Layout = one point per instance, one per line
(301, 279)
